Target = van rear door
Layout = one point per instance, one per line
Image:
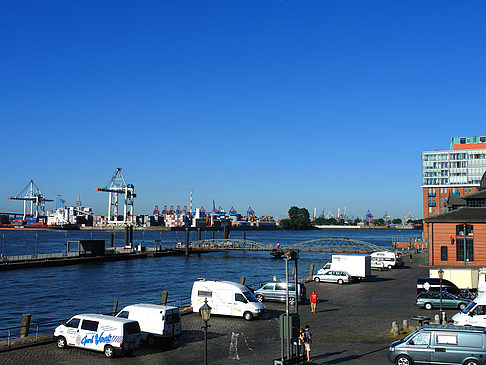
(172, 323)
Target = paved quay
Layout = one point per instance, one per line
(351, 326)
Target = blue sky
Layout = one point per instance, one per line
(268, 104)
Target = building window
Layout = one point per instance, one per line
(469, 250)
(443, 253)
(460, 230)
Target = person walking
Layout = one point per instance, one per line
(314, 298)
(307, 342)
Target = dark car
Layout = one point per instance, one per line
(434, 284)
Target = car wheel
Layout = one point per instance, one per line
(389, 267)
(292, 301)
(462, 306)
(61, 342)
(340, 281)
(150, 340)
(248, 316)
(428, 306)
(109, 351)
(260, 297)
(403, 360)
(316, 279)
(471, 362)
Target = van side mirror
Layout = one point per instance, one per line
(471, 313)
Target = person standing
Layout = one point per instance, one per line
(314, 298)
(307, 342)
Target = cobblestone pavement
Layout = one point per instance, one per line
(351, 326)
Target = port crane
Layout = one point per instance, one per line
(32, 194)
(115, 186)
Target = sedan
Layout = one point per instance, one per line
(332, 276)
(431, 299)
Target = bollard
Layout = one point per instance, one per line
(115, 307)
(395, 329)
(164, 298)
(311, 273)
(405, 324)
(25, 325)
(437, 319)
(444, 317)
(242, 280)
(187, 242)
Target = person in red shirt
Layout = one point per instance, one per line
(314, 298)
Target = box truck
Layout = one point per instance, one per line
(357, 266)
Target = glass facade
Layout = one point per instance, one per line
(450, 168)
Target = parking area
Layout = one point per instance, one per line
(351, 326)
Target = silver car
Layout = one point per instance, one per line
(276, 291)
(333, 276)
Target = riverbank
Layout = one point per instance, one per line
(352, 326)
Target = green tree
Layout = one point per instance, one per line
(379, 222)
(397, 221)
(299, 218)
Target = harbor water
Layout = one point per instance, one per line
(56, 293)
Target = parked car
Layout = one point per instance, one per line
(431, 299)
(440, 344)
(333, 276)
(435, 284)
(276, 291)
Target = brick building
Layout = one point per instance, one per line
(458, 237)
(456, 171)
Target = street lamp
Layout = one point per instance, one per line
(205, 312)
(441, 275)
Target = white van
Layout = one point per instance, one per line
(474, 314)
(226, 298)
(98, 332)
(390, 259)
(156, 321)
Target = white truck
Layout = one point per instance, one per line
(463, 277)
(358, 266)
(156, 321)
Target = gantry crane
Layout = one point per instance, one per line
(115, 186)
(31, 193)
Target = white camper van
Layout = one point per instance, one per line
(226, 298)
(474, 314)
(156, 321)
(98, 332)
(390, 259)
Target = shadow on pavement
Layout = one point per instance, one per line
(346, 358)
(376, 279)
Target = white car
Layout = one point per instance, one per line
(333, 276)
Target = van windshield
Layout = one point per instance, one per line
(468, 308)
(249, 296)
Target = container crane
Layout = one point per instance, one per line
(115, 186)
(31, 193)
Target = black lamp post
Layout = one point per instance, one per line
(441, 275)
(205, 312)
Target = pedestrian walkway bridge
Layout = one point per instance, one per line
(332, 245)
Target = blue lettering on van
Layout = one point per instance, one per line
(100, 339)
(85, 340)
(96, 339)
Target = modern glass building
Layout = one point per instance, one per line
(456, 171)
